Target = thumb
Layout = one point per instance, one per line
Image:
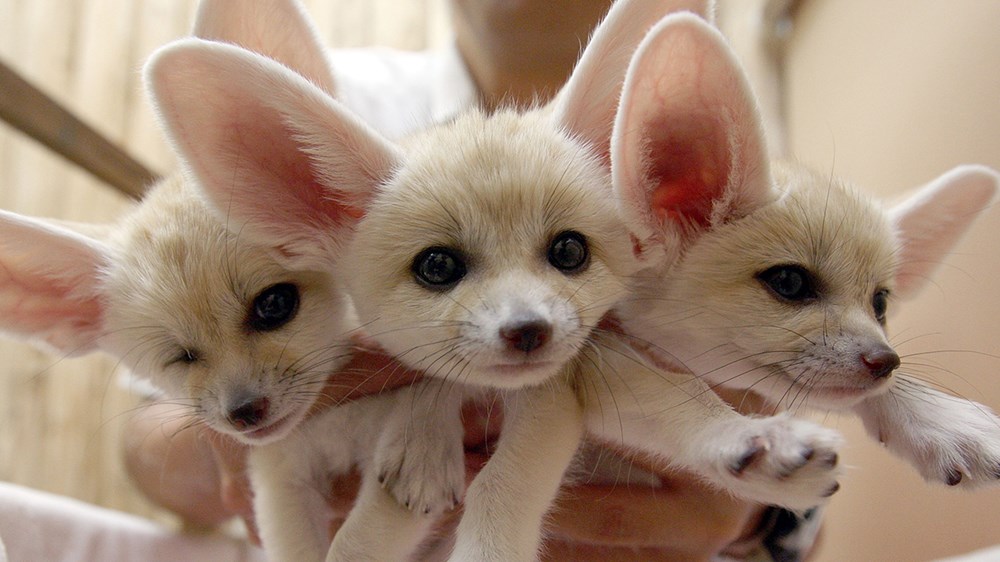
(237, 493)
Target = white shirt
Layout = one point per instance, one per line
(401, 92)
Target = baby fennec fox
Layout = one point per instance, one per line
(241, 334)
(785, 289)
(484, 252)
(229, 329)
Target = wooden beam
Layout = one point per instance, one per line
(40, 117)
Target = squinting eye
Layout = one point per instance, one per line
(185, 357)
(438, 268)
(789, 282)
(568, 252)
(274, 307)
(880, 302)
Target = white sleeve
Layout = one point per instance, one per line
(41, 526)
(400, 92)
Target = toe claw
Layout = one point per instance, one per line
(954, 478)
(747, 459)
(833, 460)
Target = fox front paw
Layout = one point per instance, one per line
(782, 461)
(424, 473)
(959, 445)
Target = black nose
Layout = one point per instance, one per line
(249, 413)
(527, 336)
(880, 362)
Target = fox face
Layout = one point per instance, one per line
(489, 273)
(792, 299)
(216, 321)
(223, 322)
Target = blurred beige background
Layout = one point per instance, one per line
(888, 93)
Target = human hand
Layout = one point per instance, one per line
(201, 475)
(368, 372)
(681, 519)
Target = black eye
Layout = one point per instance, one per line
(568, 252)
(274, 307)
(880, 302)
(438, 267)
(789, 282)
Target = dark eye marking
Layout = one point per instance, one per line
(880, 304)
(790, 282)
(186, 356)
(569, 252)
(274, 307)
(438, 268)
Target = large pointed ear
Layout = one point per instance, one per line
(688, 150)
(281, 160)
(586, 105)
(930, 222)
(50, 284)
(278, 29)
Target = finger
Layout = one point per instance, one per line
(746, 402)
(557, 549)
(683, 515)
(368, 372)
(343, 491)
(172, 465)
(482, 420)
(235, 487)
(238, 499)
(230, 455)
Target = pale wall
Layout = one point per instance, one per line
(891, 93)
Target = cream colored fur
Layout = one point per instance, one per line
(499, 195)
(710, 309)
(171, 291)
(170, 280)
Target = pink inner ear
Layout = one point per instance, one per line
(281, 184)
(687, 170)
(44, 308)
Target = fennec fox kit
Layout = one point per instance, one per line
(785, 290)
(221, 325)
(242, 333)
(484, 252)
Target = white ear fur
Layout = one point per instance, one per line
(281, 160)
(50, 284)
(278, 29)
(586, 105)
(688, 148)
(930, 222)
